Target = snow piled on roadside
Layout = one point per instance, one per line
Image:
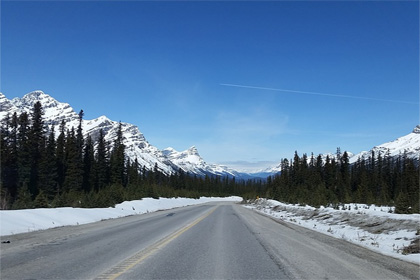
(26, 220)
(371, 226)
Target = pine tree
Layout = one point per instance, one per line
(102, 162)
(37, 145)
(402, 204)
(61, 157)
(118, 159)
(133, 177)
(48, 169)
(4, 158)
(9, 157)
(345, 175)
(73, 165)
(24, 198)
(41, 200)
(410, 181)
(89, 177)
(24, 152)
(79, 136)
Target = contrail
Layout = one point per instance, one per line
(320, 93)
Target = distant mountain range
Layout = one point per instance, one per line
(168, 160)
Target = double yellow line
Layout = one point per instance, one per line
(137, 258)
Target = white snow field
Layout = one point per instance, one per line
(372, 227)
(26, 220)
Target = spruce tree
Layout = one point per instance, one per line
(133, 177)
(48, 169)
(24, 152)
(61, 157)
(402, 204)
(37, 145)
(79, 136)
(345, 175)
(73, 165)
(118, 159)
(102, 162)
(89, 165)
(8, 158)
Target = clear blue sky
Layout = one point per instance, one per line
(161, 66)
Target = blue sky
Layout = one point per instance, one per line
(164, 66)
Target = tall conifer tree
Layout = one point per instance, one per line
(37, 146)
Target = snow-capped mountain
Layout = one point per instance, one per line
(168, 161)
(273, 169)
(54, 111)
(190, 161)
(409, 143)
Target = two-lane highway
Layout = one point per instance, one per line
(211, 241)
(84, 252)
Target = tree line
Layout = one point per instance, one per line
(40, 169)
(378, 179)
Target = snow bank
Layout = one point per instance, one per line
(372, 227)
(18, 221)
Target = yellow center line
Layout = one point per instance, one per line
(137, 258)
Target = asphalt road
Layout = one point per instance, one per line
(210, 241)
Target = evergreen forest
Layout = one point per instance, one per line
(57, 166)
(41, 169)
(378, 179)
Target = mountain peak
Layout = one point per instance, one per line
(36, 93)
(34, 96)
(5, 104)
(193, 151)
(417, 129)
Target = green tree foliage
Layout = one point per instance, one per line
(9, 157)
(61, 157)
(36, 141)
(39, 169)
(378, 179)
(89, 174)
(102, 162)
(48, 176)
(117, 162)
(24, 151)
(73, 164)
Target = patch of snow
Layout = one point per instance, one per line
(372, 227)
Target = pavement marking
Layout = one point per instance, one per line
(137, 258)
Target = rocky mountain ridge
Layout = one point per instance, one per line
(167, 161)
(408, 144)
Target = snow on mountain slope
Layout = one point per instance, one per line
(409, 143)
(271, 170)
(54, 111)
(190, 161)
(277, 168)
(6, 105)
(136, 144)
